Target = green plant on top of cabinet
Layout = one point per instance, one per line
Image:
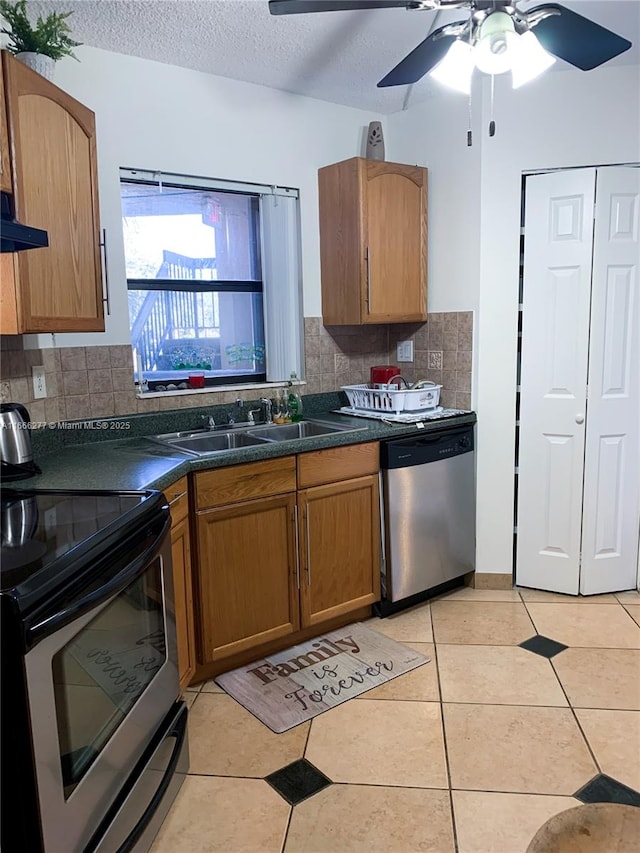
(373, 242)
(52, 141)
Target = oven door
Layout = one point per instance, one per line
(101, 677)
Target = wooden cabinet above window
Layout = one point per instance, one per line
(373, 242)
(52, 140)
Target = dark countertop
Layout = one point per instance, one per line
(88, 458)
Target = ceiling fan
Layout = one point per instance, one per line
(495, 37)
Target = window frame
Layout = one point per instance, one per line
(258, 285)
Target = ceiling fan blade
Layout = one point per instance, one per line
(296, 7)
(575, 39)
(421, 59)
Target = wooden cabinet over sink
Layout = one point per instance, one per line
(52, 142)
(373, 242)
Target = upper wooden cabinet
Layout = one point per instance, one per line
(373, 242)
(6, 183)
(52, 140)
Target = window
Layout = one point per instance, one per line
(213, 280)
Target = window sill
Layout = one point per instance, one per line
(217, 389)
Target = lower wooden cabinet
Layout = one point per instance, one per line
(178, 498)
(248, 578)
(277, 562)
(340, 548)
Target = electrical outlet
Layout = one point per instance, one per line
(39, 384)
(405, 351)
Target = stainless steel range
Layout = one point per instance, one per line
(90, 695)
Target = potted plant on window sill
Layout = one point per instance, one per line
(39, 46)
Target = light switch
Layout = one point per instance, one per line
(405, 351)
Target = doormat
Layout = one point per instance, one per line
(293, 686)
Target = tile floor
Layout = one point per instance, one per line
(471, 752)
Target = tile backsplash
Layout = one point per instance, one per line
(97, 382)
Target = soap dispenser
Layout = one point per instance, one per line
(294, 400)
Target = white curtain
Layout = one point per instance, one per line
(281, 273)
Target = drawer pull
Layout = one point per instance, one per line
(295, 523)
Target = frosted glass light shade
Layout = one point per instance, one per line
(494, 51)
(529, 60)
(456, 68)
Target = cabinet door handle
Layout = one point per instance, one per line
(295, 524)
(306, 516)
(366, 260)
(107, 295)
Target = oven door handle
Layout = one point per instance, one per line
(178, 731)
(133, 568)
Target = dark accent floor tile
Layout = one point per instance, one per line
(543, 646)
(604, 789)
(298, 781)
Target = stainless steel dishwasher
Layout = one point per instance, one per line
(429, 513)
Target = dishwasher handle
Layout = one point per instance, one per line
(432, 447)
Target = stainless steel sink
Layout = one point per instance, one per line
(302, 429)
(203, 442)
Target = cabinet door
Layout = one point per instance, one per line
(181, 557)
(56, 189)
(248, 577)
(6, 183)
(396, 235)
(373, 242)
(340, 548)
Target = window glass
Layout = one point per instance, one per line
(195, 284)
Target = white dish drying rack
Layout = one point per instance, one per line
(407, 418)
(387, 400)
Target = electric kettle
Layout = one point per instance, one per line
(16, 457)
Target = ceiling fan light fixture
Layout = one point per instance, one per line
(456, 68)
(530, 60)
(497, 43)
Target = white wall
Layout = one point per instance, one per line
(156, 116)
(566, 118)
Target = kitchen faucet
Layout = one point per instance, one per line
(239, 404)
(252, 412)
(268, 410)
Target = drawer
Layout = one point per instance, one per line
(245, 482)
(338, 463)
(178, 496)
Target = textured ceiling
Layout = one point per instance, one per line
(334, 56)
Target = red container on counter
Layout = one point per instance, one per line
(381, 374)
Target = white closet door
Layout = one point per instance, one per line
(555, 334)
(612, 454)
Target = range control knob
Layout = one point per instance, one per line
(464, 443)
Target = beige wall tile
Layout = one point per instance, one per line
(450, 360)
(121, 355)
(312, 326)
(435, 337)
(75, 382)
(465, 320)
(5, 391)
(226, 740)
(449, 341)
(21, 391)
(463, 401)
(450, 321)
(463, 381)
(102, 405)
(73, 358)
(122, 379)
(212, 815)
(369, 819)
(76, 407)
(502, 823)
(600, 678)
(125, 403)
(99, 380)
(98, 357)
(465, 340)
(516, 749)
(37, 411)
(377, 742)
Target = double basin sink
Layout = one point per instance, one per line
(204, 442)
